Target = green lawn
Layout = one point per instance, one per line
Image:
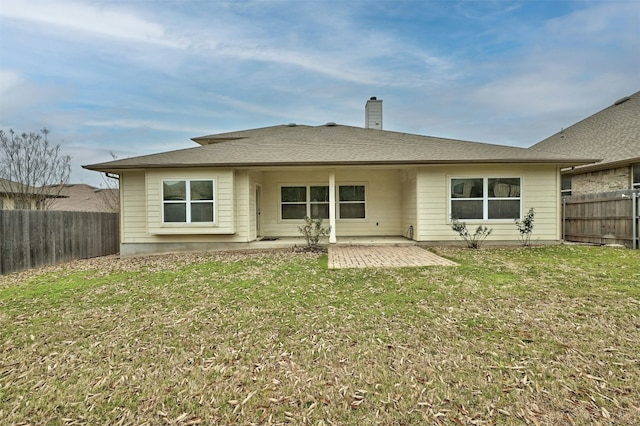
(544, 335)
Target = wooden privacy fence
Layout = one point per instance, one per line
(605, 218)
(35, 238)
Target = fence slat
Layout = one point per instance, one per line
(35, 238)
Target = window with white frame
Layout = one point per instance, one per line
(188, 201)
(636, 176)
(296, 202)
(352, 202)
(485, 198)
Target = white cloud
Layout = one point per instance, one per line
(146, 124)
(91, 19)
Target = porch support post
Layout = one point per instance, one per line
(332, 206)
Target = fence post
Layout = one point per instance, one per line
(635, 215)
(564, 218)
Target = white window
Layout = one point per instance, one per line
(296, 202)
(351, 202)
(636, 176)
(485, 198)
(188, 201)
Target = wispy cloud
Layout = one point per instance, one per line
(99, 20)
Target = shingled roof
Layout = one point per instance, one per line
(332, 144)
(612, 134)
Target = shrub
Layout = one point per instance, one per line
(474, 240)
(313, 230)
(525, 227)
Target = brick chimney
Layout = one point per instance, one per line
(373, 114)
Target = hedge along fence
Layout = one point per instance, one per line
(35, 238)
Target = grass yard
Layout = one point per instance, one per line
(545, 335)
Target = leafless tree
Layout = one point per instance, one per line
(32, 171)
(110, 191)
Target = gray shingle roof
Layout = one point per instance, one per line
(612, 134)
(334, 145)
(86, 198)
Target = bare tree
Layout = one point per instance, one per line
(32, 171)
(110, 194)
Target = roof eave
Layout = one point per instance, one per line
(587, 168)
(559, 162)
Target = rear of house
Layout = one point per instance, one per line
(239, 187)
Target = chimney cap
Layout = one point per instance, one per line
(373, 98)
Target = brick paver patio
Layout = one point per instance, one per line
(360, 256)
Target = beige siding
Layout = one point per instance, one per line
(395, 200)
(383, 201)
(142, 207)
(540, 190)
(9, 203)
(224, 203)
(133, 207)
(409, 203)
(255, 182)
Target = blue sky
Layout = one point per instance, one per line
(142, 76)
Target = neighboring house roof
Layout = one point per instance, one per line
(612, 134)
(10, 187)
(333, 144)
(86, 198)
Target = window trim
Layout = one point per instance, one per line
(188, 202)
(308, 203)
(485, 197)
(338, 202)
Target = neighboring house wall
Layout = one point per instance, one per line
(8, 202)
(614, 179)
(540, 190)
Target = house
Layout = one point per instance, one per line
(238, 187)
(18, 196)
(86, 198)
(612, 135)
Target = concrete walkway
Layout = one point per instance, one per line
(362, 256)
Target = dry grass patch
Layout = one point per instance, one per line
(512, 336)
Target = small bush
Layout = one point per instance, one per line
(525, 227)
(474, 240)
(313, 230)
